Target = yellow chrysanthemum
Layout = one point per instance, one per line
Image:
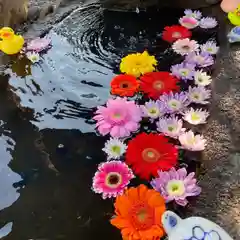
(137, 64)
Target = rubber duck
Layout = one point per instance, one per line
(10, 43)
(234, 17)
(229, 5)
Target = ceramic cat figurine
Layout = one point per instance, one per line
(229, 5)
(192, 228)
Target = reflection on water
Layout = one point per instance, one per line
(74, 76)
(59, 94)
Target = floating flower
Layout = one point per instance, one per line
(201, 78)
(195, 14)
(210, 47)
(208, 22)
(153, 109)
(184, 71)
(195, 117)
(38, 44)
(175, 102)
(119, 118)
(201, 59)
(185, 46)
(124, 85)
(147, 153)
(156, 83)
(175, 32)
(111, 179)
(189, 22)
(176, 185)
(138, 214)
(198, 94)
(137, 64)
(192, 142)
(33, 57)
(114, 148)
(171, 126)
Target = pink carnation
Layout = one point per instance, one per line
(119, 118)
(38, 44)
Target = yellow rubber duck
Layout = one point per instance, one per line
(234, 17)
(10, 43)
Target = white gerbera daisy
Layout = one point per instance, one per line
(201, 78)
(210, 47)
(185, 46)
(33, 57)
(114, 148)
(195, 117)
(192, 142)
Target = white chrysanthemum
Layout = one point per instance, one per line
(114, 148)
(192, 142)
(195, 117)
(201, 78)
(185, 46)
(198, 95)
(33, 57)
(210, 47)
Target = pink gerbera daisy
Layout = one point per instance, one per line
(112, 178)
(119, 118)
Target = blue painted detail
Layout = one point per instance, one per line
(198, 233)
(172, 221)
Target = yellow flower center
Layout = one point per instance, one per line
(116, 149)
(150, 155)
(171, 128)
(175, 188)
(195, 116)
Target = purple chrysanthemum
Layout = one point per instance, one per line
(175, 102)
(195, 14)
(170, 126)
(153, 109)
(202, 59)
(176, 185)
(210, 47)
(208, 22)
(184, 71)
(198, 95)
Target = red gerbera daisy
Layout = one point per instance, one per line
(124, 85)
(149, 153)
(156, 83)
(175, 32)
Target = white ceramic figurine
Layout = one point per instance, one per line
(192, 228)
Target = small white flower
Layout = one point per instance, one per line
(114, 148)
(171, 127)
(199, 95)
(195, 14)
(201, 78)
(210, 47)
(33, 57)
(188, 22)
(185, 46)
(195, 117)
(192, 142)
(208, 22)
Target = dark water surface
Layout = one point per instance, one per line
(49, 148)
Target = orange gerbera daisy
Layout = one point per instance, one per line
(138, 214)
(124, 85)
